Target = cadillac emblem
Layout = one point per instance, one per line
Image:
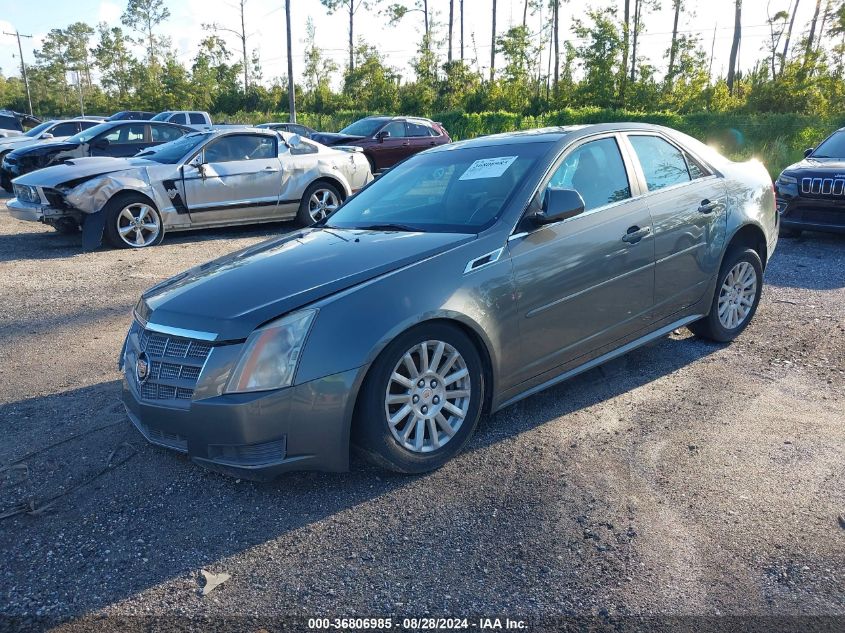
(142, 368)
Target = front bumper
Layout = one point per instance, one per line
(254, 436)
(812, 214)
(34, 212)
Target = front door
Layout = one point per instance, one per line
(394, 148)
(121, 141)
(687, 204)
(587, 281)
(237, 179)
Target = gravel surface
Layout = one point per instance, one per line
(685, 478)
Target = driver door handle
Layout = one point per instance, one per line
(634, 234)
(707, 206)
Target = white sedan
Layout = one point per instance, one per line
(220, 177)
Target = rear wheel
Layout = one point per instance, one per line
(319, 202)
(132, 221)
(421, 400)
(736, 298)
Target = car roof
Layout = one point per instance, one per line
(553, 134)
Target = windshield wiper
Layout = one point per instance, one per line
(389, 227)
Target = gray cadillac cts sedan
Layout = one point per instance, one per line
(468, 277)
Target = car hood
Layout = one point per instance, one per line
(17, 142)
(45, 148)
(328, 138)
(76, 168)
(233, 295)
(818, 164)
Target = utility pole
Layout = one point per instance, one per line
(291, 87)
(79, 86)
(23, 66)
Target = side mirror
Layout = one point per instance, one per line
(382, 135)
(100, 143)
(808, 151)
(558, 205)
(46, 136)
(294, 141)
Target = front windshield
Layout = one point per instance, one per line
(452, 191)
(832, 147)
(86, 135)
(38, 129)
(364, 127)
(161, 116)
(172, 152)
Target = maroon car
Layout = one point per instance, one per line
(388, 139)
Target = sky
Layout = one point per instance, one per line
(266, 28)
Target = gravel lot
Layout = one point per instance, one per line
(685, 479)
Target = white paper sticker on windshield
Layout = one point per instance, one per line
(488, 168)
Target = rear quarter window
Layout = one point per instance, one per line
(196, 118)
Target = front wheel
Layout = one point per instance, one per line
(421, 400)
(132, 221)
(736, 298)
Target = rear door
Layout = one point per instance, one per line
(239, 180)
(420, 135)
(587, 281)
(687, 203)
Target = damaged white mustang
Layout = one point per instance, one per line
(212, 178)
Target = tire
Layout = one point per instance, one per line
(67, 227)
(117, 212)
(318, 202)
(730, 312)
(399, 446)
(784, 232)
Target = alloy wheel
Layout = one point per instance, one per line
(138, 225)
(737, 295)
(322, 203)
(428, 396)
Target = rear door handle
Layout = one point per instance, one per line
(634, 234)
(707, 206)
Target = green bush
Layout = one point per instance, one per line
(776, 139)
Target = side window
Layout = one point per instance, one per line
(663, 164)
(240, 147)
(299, 129)
(419, 129)
(179, 118)
(596, 171)
(65, 129)
(86, 124)
(304, 148)
(197, 118)
(165, 133)
(696, 170)
(396, 129)
(126, 134)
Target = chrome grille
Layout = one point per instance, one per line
(175, 365)
(823, 186)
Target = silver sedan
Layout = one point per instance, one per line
(208, 179)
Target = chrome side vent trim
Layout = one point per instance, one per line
(485, 260)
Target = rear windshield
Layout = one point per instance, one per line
(454, 191)
(10, 123)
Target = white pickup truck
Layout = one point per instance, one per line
(191, 118)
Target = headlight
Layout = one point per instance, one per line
(787, 180)
(271, 354)
(27, 193)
